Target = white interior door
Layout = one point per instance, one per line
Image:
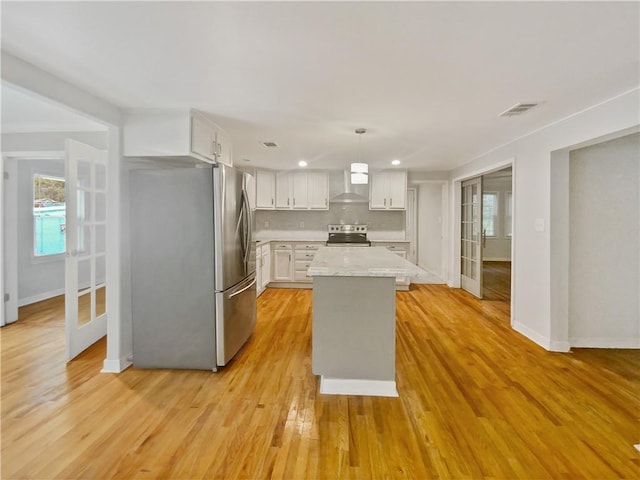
(85, 264)
(471, 237)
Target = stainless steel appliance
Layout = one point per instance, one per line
(192, 266)
(348, 236)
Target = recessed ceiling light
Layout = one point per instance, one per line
(246, 159)
(302, 163)
(270, 144)
(395, 162)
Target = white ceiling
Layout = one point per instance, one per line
(427, 80)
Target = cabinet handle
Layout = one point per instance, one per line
(294, 201)
(391, 202)
(213, 148)
(272, 201)
(385, 202)
(287, 202)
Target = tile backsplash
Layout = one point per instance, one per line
(337, 213)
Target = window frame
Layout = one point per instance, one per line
(496, 216)
(508, 214)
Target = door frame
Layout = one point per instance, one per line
(456, 206)
(44, 85)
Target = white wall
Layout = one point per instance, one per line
(430, 228)
(604, 246)
(498, 247)
(531, 269)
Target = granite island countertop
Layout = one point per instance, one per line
(361, 262)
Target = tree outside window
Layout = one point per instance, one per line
(49, 215)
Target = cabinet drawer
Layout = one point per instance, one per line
(282, 246)
(301, 276)
(302, 266)
(308, 246)
(305, 255)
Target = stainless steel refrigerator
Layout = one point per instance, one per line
(192, 266)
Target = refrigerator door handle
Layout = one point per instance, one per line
(240, 229)
(246, 209)
(253, 282)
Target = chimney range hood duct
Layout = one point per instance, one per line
(341, 190)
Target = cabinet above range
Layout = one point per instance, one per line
(315, 190)
(183, 135)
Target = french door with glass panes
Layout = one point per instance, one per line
(86, 254)
(471, 237)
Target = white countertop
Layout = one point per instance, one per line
(321, 236)
(361, 262)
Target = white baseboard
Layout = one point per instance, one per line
(342, 386)
(39, 297)
(604, 342)
(116, 366)
(496, 259)
(559, 346)
(432, 278)
(544, 342)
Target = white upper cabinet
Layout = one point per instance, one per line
(302, 191)
(318, 190)
(177, 134)
(284, 191)
(223, 147)
(388, 190)
(298, 188)
(265, 190)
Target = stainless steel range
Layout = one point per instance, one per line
(348, 236)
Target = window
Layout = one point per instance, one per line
(490, 214)
(508, 214)
(49, 215)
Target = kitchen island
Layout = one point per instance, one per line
(353, 337)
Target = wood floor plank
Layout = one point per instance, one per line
(477, 400)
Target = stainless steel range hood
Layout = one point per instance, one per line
(341, 190)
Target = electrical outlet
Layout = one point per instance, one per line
(301, 224)
(266, 224)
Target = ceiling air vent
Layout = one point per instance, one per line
(517, 109)
(270, 144)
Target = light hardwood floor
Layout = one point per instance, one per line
(477, 400)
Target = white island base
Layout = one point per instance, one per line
(353, 341)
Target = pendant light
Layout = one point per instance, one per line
(360, 170)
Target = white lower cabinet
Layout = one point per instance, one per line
(282, 262)
(263, 267)
(291, 260)
(266, 266)
(303, 254)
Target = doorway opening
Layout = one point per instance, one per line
(486, 232)
(54, 215)
(497, 231)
